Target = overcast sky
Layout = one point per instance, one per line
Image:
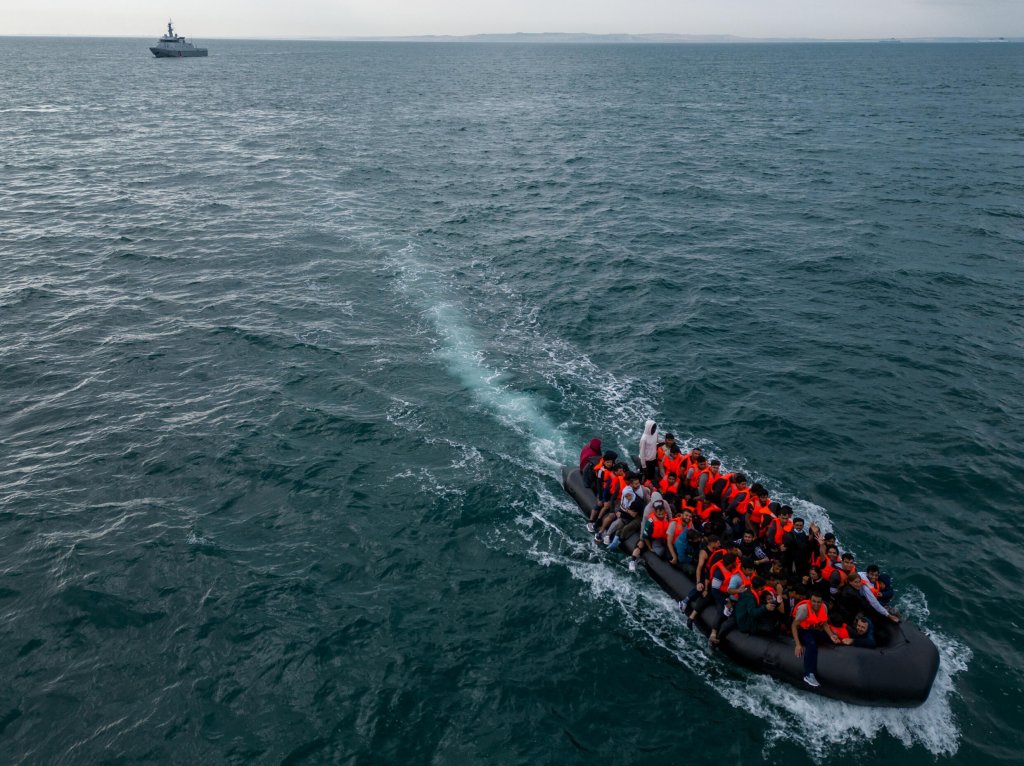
(353, 18)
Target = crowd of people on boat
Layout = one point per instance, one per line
(766, 571)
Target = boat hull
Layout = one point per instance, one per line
(162, 53)
(899, 674)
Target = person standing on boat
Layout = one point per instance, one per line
(811, 627)
(649, 451)
(796, 550)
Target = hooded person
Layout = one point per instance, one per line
(649, 451)
(591, 450)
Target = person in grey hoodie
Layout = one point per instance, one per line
(649, 451)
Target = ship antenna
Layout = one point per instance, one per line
(170, 30)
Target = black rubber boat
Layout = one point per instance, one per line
(899, 673)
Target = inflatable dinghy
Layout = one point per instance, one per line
(898, 673)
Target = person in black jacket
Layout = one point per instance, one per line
(863, 633)
(796, 549)
(815, 583)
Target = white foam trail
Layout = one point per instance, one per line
(518, 411)
(460, 347)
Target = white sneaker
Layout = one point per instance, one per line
(810, 680)
(632, 565)
(607, 539)
(590, 526)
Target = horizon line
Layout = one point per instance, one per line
(625, 37)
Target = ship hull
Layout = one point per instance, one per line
(162, 53)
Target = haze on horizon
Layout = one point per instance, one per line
(828, 19)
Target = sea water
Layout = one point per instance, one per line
(296, 337)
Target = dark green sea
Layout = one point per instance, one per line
(294, 339)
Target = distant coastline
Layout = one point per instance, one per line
(574, 37)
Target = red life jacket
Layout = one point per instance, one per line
(723, 481)
(744, 583)
(727, 574)
(664, 487)
(659, 527)
(680, 528)
(713, 558)
(779, 528)
(712, 478)
(618, 484)
(694, 480)
(608, 480)
(744, 505)
(813, 619)
(830, 568)
(672, 464)
(702, 510)
(729, 493)
(627, 485)
(841, 630)
(758, 510)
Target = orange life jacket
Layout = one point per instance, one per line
(619, 483)
(744, 583)
(726, 574)
(779, 528)
(827, 570)
(744, 505)
(609, 480)
(712, 478)
(637, 492)
(841, 630)
(680, 528)
(703, 510)
(812, 620)
(758, 510)
(664, 487)
(830, 568)
(659, 527)
(672, 464)
(713, 558)
(694, 480)
(726, 483)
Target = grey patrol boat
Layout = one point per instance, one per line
(175, 46)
